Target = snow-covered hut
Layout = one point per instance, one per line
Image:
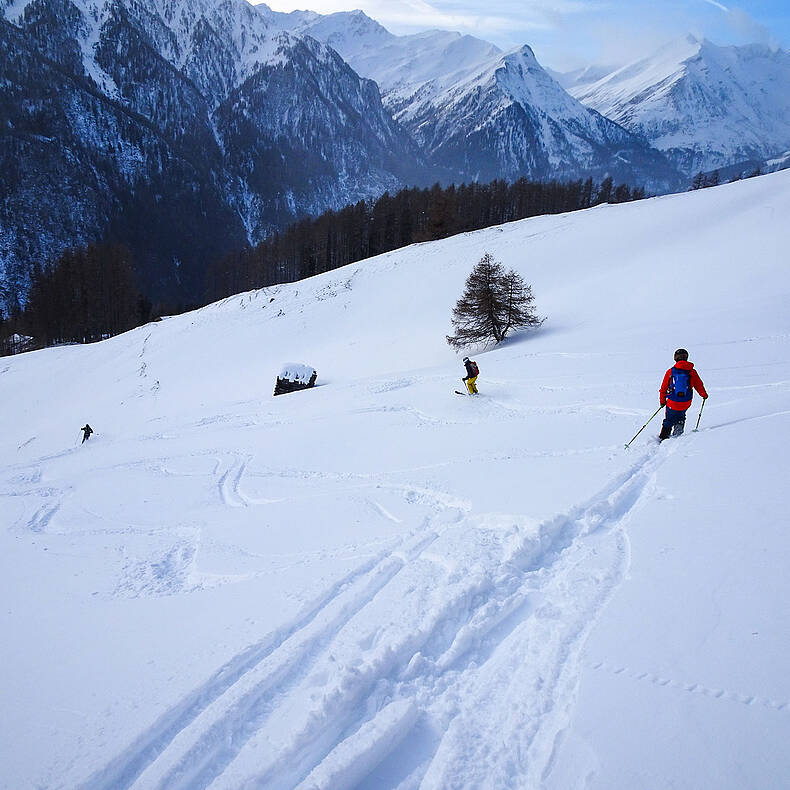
(295, 376)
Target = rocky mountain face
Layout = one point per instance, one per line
(182, 128)
(704, 106)
(478, 113)
(117, 146)
(511, 119)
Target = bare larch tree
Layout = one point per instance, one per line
(494, 302)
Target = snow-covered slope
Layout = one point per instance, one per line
(706, 106)
(379, 584)
(481, 114)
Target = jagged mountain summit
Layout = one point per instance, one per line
(512, 119)
(183, 129)
(705, 106)
(399, 63)
(479, 113)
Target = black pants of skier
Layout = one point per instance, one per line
(674, 423)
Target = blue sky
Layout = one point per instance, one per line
(567, 34)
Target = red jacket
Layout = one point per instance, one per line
(696, 382)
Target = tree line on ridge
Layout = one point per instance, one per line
(91, 293)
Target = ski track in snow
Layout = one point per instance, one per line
(123, 771)
(232, 474)
(392, 663)
(42, 517)
(783, 413)
(230, 483)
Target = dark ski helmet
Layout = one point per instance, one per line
(681, 354)
(466, 359)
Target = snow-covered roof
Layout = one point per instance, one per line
(296, 371)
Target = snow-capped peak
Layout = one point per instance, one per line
(707, 105)
(350, 33)
(399, 61)
(663, 69)
(526, 82)
(478, 112)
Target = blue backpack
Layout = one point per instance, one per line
(680, 385)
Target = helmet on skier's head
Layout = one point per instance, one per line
(466, 359)
(681, 354)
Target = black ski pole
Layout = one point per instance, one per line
(699, 417)
(644, 426)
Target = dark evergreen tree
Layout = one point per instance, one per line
(585, 200)
(622, 193)
(5, 343)
(605, 190)
(494, 302)
(519, 304)
(336, 238)
(89, 294)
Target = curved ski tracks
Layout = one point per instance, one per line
(450, 661)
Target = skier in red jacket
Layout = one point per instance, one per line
(676, 393)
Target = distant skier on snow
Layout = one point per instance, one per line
(472, 373)
(676, 393)
(86, 433)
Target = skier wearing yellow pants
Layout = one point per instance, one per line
(472, 373)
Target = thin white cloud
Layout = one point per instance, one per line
(416, 13)
(751, 30)
(718, 5)
(419, 14)
(745, 25)
(498, 17)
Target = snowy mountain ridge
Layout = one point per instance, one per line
(704, 105)
(378, 584)
(174, 28)
(485, 114)
(400, 62)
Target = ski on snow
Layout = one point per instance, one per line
(463, 393)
